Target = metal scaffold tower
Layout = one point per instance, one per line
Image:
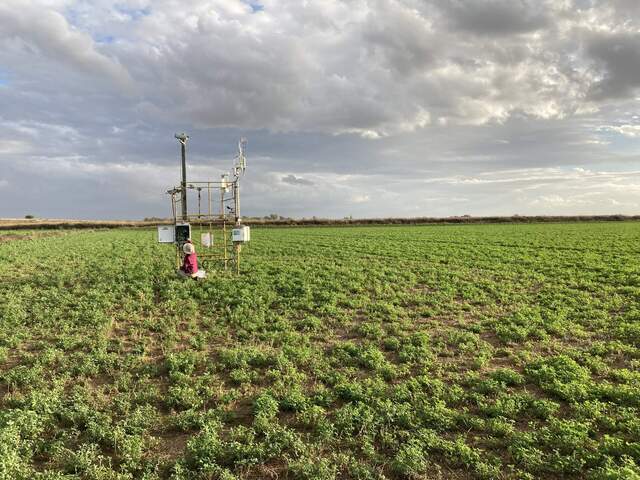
(215, 227)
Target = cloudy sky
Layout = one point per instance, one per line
(354, 107)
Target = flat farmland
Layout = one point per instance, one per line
(413, 352)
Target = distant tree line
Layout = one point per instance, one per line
(278, 220)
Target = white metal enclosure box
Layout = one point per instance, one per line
(206, 239)
(166, 234)
(241, 234)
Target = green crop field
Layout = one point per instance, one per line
(485, 351)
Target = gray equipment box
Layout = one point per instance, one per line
(183, 232)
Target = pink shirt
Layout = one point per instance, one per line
(190, 264)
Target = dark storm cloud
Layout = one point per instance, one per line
(293, 180)
(496, 17)
(364, 108)
(618, 59)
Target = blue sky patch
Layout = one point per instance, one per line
(107, 39)
(134, 13)
(255, 6)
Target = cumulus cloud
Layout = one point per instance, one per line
(375, 102)
(47, 31)
(626, 130)
(372, 67)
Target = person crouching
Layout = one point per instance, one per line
(190, 262)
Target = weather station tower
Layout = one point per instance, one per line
(215, 226)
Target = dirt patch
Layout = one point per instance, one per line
(171, 445)
(11, 237)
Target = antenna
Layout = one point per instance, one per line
(240, 161)
(182, 137)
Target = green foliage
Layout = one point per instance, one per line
(488, 351)
(411, 461)
(562, 376)
(312, 469)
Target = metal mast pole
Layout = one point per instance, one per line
(182, 138)
(236, 195)
(183, 185)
